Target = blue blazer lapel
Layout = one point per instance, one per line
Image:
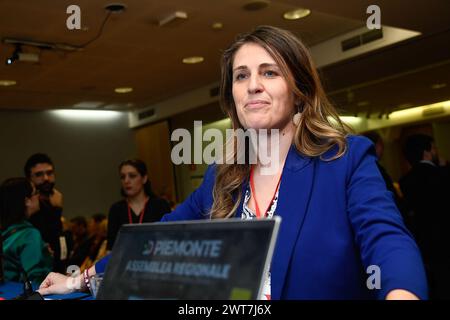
(294, 195)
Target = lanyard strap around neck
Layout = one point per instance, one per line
(253, 191)
(141, 215)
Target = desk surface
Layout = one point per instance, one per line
(10, 290)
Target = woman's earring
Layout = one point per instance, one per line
(296, 118)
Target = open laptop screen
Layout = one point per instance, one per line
(213, 259)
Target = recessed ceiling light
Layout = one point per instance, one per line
(255, 5)
(193, 60)
(438, 85)
(123, 90)
(296, 14)
(7, 83)
(217, 25)
(115, 7)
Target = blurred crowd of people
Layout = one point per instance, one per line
(36, 238)
(421, 196)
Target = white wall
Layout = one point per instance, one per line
(86, 154)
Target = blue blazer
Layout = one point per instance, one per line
(338, 219)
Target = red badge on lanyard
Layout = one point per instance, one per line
(252, 189)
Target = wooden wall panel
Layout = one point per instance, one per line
(153, 145)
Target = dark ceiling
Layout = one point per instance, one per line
(134, 51)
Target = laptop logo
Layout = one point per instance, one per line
(148, 248)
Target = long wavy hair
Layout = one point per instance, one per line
(320, 127)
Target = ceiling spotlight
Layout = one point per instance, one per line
(14, 57)
(193, 60)
(217, 25)
(7, 83)
(296, 14)
(123, 90)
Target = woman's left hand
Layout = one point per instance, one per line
(400, 294)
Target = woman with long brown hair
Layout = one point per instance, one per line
(26, 254)
(139, 203)
(338, 219)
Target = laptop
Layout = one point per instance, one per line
(202, 259)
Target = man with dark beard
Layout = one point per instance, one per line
(426, 188)
(40, 170)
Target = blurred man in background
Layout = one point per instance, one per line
(426, 188)
(40, 170)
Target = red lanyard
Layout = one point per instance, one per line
(252, 189)
(141, 215)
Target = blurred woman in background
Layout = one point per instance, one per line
(25, 253)
(139, 205)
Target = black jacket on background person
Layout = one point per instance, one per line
(426, 189)
(48, 221)
(118, 216)
(401, 205)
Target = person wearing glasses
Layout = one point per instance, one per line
(24, 251)
(40, 170)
